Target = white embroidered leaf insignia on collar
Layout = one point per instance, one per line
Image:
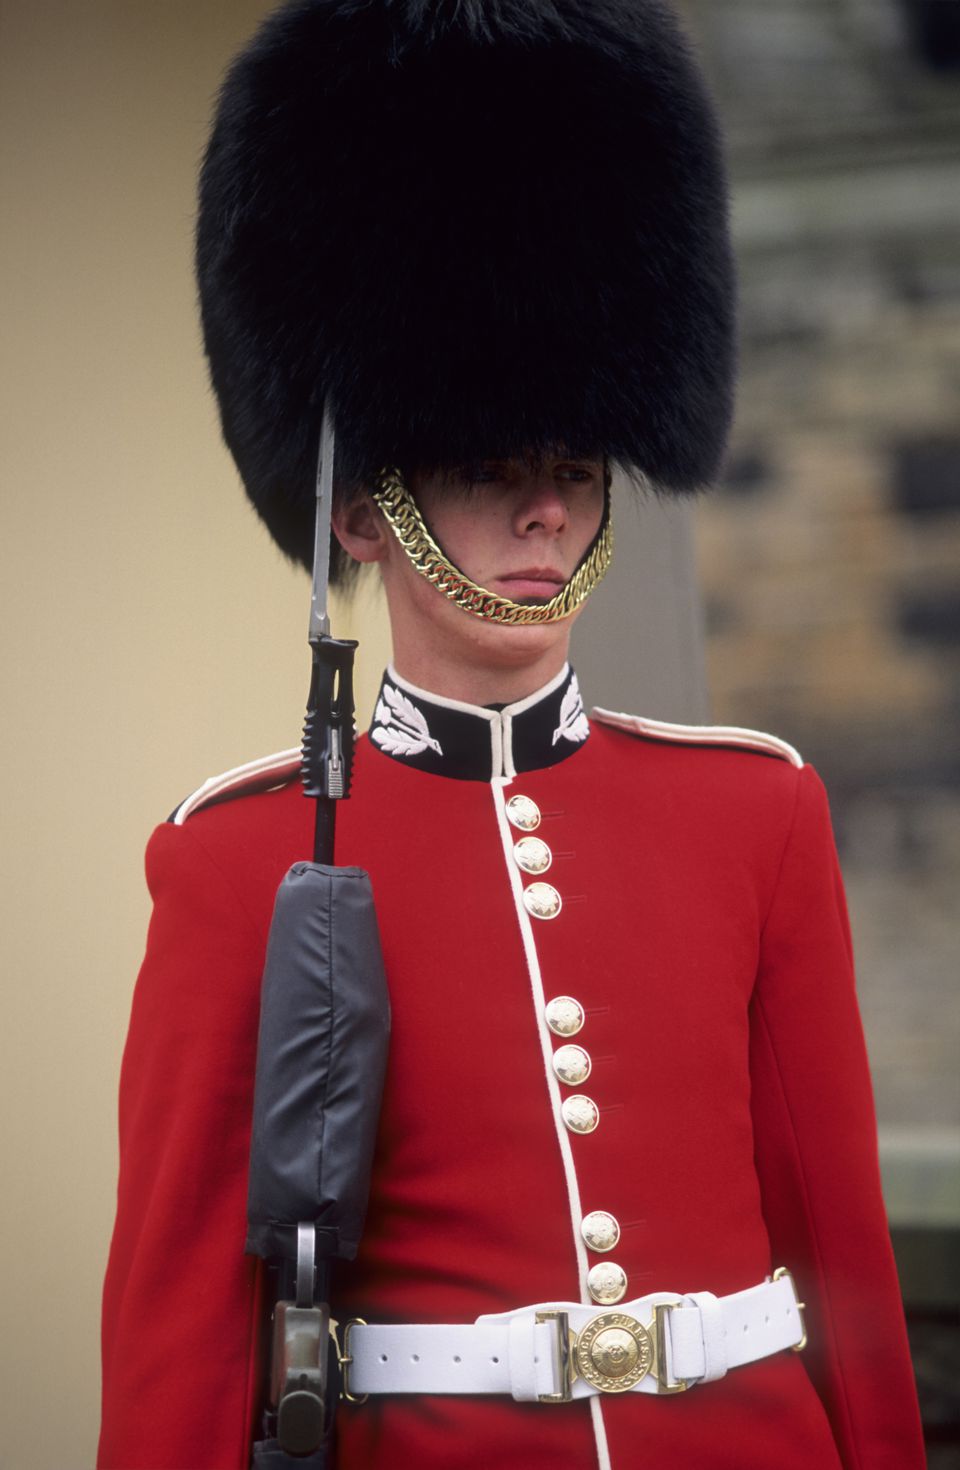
(573, 724)
(399, 727)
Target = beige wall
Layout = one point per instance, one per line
(151, 634)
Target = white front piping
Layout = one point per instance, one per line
(498, 787)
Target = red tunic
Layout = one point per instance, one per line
(704, 933)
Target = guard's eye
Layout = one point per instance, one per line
(578, 473)
(486, 474)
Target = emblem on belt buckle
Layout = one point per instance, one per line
(613, 1352)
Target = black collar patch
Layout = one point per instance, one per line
(472, 743)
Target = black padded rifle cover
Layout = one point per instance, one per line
(321, 1058)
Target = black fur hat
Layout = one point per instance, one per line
(481, 227)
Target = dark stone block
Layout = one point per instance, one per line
(931, 617)
(935, 29)
(928, 1262)
(926, 476)
(720, 615)
(747, 473)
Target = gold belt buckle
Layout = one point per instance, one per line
(345, 1359)
(613, 1353)
(660, 1335)
(563, 1344)
(797, 1347)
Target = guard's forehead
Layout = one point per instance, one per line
(534, 461)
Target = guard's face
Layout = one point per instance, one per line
(516, 530)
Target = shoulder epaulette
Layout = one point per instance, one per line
(264, 774)
(700, 734)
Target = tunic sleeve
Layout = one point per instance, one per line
(816, 1153)
(180, 1305)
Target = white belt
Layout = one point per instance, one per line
(557, 1351)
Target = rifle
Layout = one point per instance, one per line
(321, 1059)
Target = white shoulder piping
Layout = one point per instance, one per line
(700, 734)
(258, 775)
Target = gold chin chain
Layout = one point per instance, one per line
(409, 527)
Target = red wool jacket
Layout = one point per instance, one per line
(703, 933)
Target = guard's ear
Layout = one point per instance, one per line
(361, 529)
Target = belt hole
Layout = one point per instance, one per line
(457, 1358)
(383, 1357)
(494, 1360)
(415, 1358)
(767, 1318)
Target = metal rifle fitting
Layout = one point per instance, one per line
(301, 1332)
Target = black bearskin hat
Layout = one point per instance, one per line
(481, 228)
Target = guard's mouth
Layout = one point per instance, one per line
(532, 586)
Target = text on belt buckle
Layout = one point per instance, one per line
(612, 1353)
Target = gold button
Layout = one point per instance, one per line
(523, 813)
(541, 900)
(607, 1283)
(564, 1015)
(580, 1113)
(532, 855)
(600, 1230)
(571, 1064)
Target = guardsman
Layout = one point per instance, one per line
(627, 1126)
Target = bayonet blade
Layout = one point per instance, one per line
(319, 597)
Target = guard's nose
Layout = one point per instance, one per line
(540, 507)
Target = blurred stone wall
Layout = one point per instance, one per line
(829, 560)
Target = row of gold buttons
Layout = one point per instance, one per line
(606, 1281)
(541, 900)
